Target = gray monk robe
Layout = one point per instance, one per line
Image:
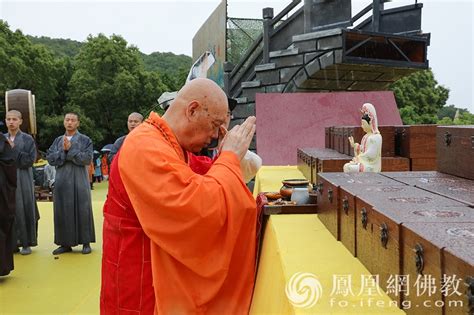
(115, 147)
(73, 220)
(26, 217)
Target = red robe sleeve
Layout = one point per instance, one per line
(199, 164)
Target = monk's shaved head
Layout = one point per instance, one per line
(14, 112)
(13, 120)
(134, 119)
(136, 115)
(196, 113)
(202, 90)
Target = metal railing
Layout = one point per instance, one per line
(245, 68)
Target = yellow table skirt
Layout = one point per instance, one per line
(301, 244)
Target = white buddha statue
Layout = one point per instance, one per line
(367, 154)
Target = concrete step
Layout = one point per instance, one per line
(251, 84)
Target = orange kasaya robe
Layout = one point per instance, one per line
(91, 171)
(202, 228)
(104, 166)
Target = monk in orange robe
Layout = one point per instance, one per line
(90, 171)
(104, 166)
(202, 228)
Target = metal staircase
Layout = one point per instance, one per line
(300, 54)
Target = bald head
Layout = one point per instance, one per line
(134, 119)
(15, 113)
(196, 113)
(202, 90)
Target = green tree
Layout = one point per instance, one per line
(104, 82)
(447, 116)
(447, 111)
(450, 111)
(419, 97)
(172, 68)
(465, 118)
(24, 65)
(109, 82)
(166, 62)
(55, 125)
(445, 121)
(58, 46)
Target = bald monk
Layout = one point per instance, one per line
(250, 163)
(195, 233)
(71, 154)
(134, 119)
(26, 217)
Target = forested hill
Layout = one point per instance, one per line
(102, 79)
(60, 47)
(166, 62)
(162, 62)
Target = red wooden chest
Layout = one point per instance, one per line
(455, 150)
(330, 205)
(383, 209)
(458, 262)
(450, 186)
(417, 141)
(429, 251)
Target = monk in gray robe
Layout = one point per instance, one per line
(7, 204)
(24, 149)
(71, 154)
(134, 119)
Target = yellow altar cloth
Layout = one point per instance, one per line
(300, 245)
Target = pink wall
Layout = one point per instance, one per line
(289, 121)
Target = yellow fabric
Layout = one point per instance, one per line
(269, 177)
(70, 284)
(301, 243)
(40, 162)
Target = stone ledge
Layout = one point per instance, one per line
(283, 53)
(265, 66)
(241, 100)
(251, 84)
(315, 35)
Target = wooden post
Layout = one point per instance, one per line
(267, 19)
(377, 7)
(228, 67)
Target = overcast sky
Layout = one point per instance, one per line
(157, 25)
